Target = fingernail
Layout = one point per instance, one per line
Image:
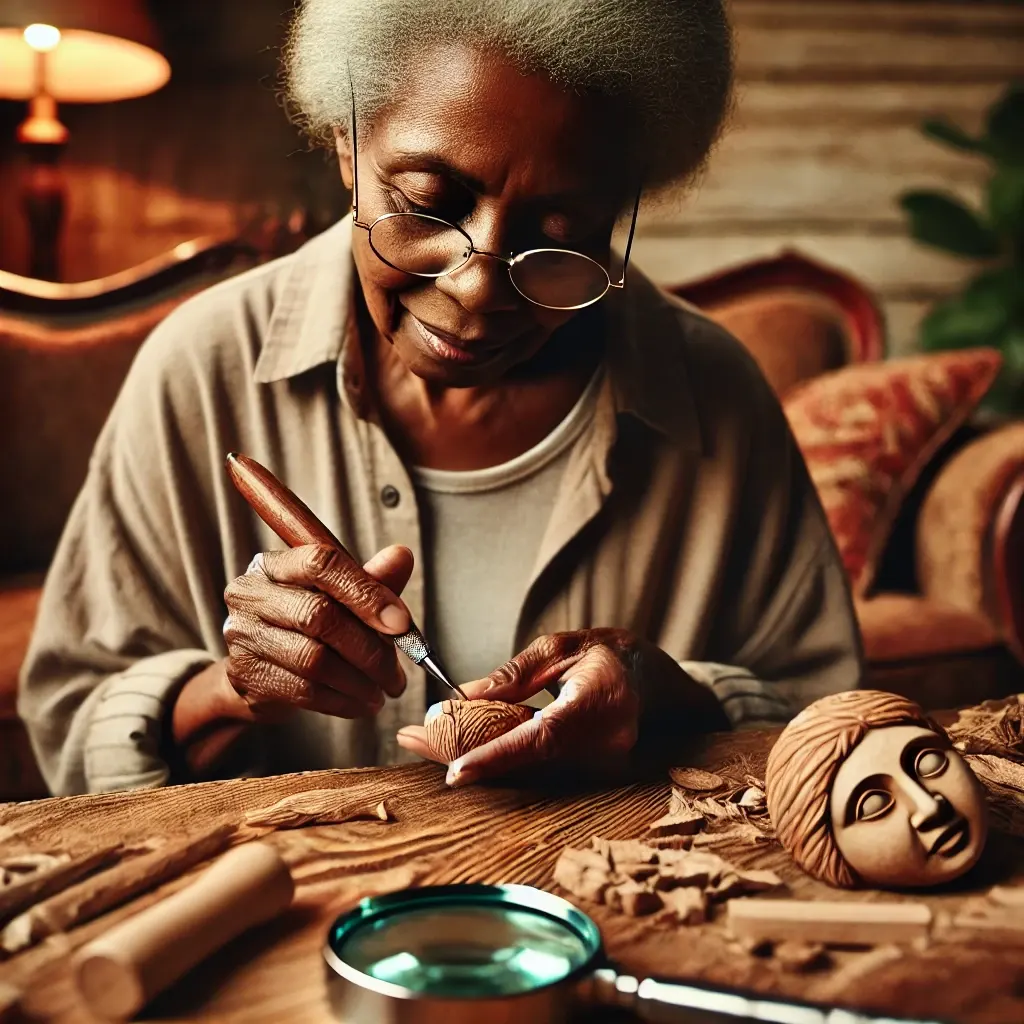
(394, 618)
(432, 712)
(455, 776)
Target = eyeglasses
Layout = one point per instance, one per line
(427, 246)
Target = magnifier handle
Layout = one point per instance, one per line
(674, 1003)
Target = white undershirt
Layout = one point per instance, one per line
(482, 531)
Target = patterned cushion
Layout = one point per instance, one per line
(867, 431)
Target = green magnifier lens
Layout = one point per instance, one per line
(462, 942)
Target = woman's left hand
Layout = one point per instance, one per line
(594, 722)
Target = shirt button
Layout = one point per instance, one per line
(389, 496)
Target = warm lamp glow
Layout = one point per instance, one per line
(42, 38)
(86, 67)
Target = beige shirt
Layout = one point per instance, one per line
(685, 514)
(482, 530)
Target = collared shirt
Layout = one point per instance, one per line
(685, 514)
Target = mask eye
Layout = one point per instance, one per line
(873, 804)
(930, 763)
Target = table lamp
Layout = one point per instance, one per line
(68, 51)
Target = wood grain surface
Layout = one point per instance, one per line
(485, 834)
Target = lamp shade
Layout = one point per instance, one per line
(107, 50)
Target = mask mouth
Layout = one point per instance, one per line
(951, 840)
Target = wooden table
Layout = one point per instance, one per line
(275, 974)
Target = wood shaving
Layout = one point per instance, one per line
(695, 780)
(686, 824)
(14, 870)
(739, 833)
(800, 956)
(108, 889)
(685, 906)
(1004, 780)
(1007, 895)
(637, 879)
(10, 997)
(993, 727)
(584, 873)
(316, 807)
(47, 881)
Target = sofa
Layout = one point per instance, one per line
(944, 624)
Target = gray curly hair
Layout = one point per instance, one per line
(670, 61)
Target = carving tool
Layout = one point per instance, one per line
(294, 522)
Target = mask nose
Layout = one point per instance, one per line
(929, 808)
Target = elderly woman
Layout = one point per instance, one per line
(534, 454)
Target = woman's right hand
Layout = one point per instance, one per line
(303, 631)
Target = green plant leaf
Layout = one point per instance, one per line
(965, 321)
(945, 131)
(1006, 199)
(1012, 346)
(944, 222)
(1004, 132)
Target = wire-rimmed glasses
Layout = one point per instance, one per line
(427, 246)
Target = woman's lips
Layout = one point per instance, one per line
(951, 840)
(447, 347)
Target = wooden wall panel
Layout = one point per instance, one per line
(825, 137)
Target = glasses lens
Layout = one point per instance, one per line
(559, 279)
(418, 244)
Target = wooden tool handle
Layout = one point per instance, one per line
(280, 508)
(121, 971)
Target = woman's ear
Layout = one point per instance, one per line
(344, 151)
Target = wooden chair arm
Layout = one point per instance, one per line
(970, 532)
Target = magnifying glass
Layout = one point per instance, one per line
(455, 954)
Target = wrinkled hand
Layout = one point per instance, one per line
(302, 631)
(593, 723)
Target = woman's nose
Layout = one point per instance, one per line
(481, 286)
(929, 808)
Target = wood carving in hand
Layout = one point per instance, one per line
(458, 726)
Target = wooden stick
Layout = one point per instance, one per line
(10, 997)
(103, 892)
(118, 973)
(16, 898)
(830, 923)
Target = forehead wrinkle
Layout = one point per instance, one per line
(406, 155)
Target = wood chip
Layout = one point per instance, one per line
(625, 851)
(633, 899)
(316, 807)
(737, 833)
(1007, 895)
(687, 906)
(1000, 925)
(638, 872)
(829, 923)
(584, 873)
(686, 824)
(743, 883)
(10, 997)
(100, 893)
(695, 780)
(40, 884)
(752, 797)
(800, 956)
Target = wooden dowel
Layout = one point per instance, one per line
(831, 923)
(16, 898)
(118, 973)
(102, 892)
